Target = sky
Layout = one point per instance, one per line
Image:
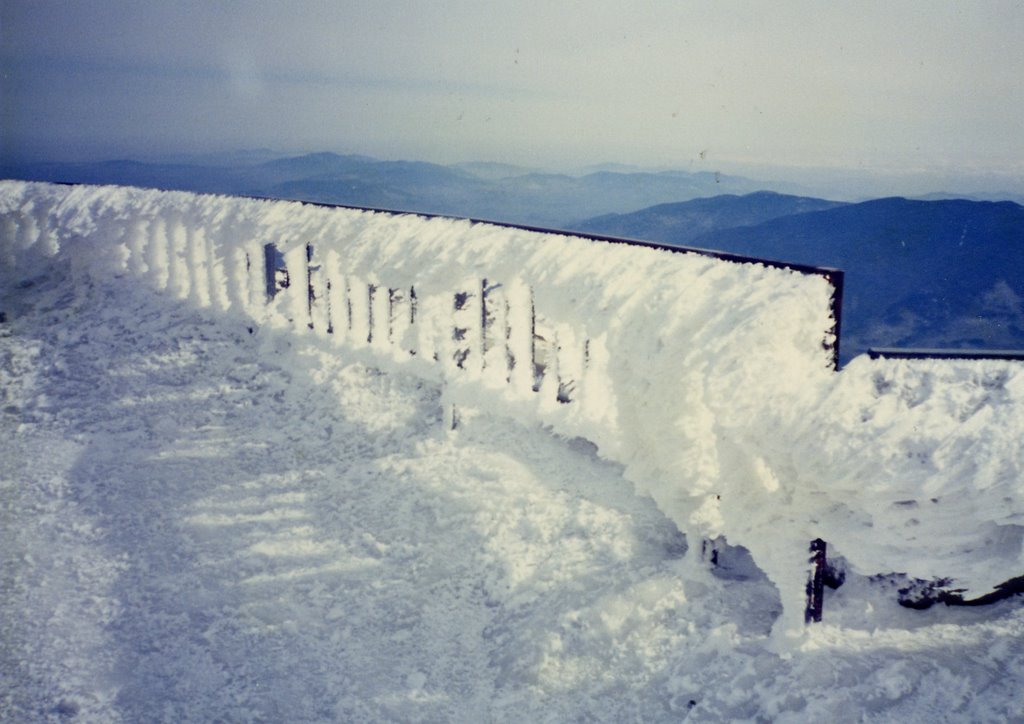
(903, 86)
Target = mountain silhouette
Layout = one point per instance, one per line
(683, 222)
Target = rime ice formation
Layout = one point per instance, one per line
(707, 379)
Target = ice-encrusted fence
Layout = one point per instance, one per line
(495, 328)
(652, 353)
(496, 331)
(558, 326)
(709, 377)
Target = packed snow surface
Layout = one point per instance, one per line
(212, 511)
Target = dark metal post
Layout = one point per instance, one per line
(310, 290)
(270, 265)
(815, 581)
(709, 550)
(371, 292)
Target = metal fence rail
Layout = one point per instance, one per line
(924, 353)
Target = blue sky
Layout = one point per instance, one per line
(873, 85)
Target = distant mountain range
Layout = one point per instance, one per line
(498, 192)
(920, 273)
(684, 222)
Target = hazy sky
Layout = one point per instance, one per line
(902, 85)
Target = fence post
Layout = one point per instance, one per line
(815, 581)
(451, 416)
(311, 292)
(270, 267)
(709, 548)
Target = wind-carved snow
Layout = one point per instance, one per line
(708, 380)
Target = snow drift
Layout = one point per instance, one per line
(708, 380)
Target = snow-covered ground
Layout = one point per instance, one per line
(202, 522)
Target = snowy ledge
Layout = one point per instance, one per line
(706, 377)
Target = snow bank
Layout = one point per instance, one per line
(708, 380)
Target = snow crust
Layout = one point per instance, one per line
(706, 380)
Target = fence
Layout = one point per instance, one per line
(496, 328)
(668, 359)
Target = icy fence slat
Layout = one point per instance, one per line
(710, 379)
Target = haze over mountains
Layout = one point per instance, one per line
(480, 190)
(919, 273)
